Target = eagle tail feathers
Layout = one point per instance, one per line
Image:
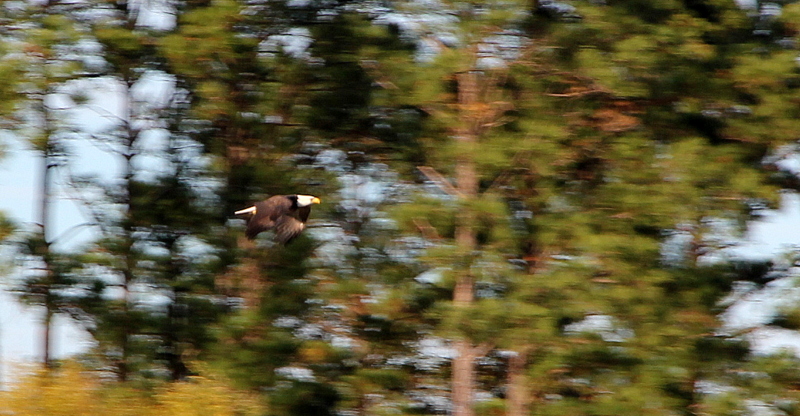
(246, 211)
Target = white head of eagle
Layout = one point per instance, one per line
(306, 200)
(285, 214)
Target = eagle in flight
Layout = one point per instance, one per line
(285, 214)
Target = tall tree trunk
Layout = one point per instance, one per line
(44, 222)
(463, 378)
(47, 331)
(463, 374)
(516, 394)
(129, 264)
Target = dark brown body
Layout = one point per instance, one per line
(279, 213)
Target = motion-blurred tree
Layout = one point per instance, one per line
(657, 158)
(242, 99)
(121, 322)
(626, 131)
(46, 42)
(151, 265)
(468, 96)
(11, 68)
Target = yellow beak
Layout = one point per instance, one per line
(316, 201)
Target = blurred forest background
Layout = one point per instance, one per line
(527, 205)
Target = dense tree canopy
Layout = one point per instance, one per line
(526, 205)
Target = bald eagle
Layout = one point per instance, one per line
(286, 214)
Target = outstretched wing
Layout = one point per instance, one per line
(266, 215)
(255, 226)
(288, 227)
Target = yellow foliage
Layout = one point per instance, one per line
(315, 352)
(203, 396)
(72, 391)
(68, 392)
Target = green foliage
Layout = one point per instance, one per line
(388, 379)
(437, 212)
(493, 407)
(483, 321)
(11, 70)
(248, 343)
(343, 85)
(7, 227)
(305, 398)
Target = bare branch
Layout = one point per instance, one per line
(578, 93)
(438, 179)
(72, 230)
(102, 112)
(87, 209)
(506, 174)
(426, 229)
(97, 141)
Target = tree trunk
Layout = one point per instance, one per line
(463, 372)
(44, 222)
(47, 330)
(463, 378)
(516, 394)
(129, 263)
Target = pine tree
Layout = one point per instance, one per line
(649, 149)
(467, 96)
(243, 107)
(46, 65)
(154, 298)
(10, 71)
